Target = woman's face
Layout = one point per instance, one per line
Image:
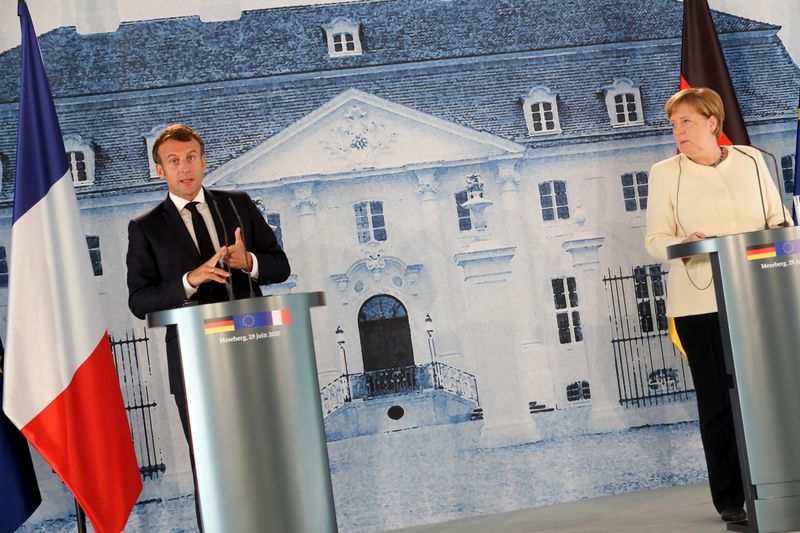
(693, 131)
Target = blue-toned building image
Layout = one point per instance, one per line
(467, 181)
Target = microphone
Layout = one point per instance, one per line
(228, 282)
(244, 244)
(760, 191)
(775, 179)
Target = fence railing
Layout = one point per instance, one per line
(649, 368)
(376, 383)
(132, 360)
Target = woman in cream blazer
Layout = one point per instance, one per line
(707, 190)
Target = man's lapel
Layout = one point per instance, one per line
(175, 225)
(219, 206)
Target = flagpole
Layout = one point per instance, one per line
(80, 516)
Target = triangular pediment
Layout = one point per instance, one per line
(357, 132)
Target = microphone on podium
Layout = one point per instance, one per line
(244, 244)
(228, 282)
(760, 189)
(785, 222)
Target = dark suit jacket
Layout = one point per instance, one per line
(161, 251)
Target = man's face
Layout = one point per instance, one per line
(182, 167)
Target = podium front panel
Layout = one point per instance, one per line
(255, 415)
(757, 280)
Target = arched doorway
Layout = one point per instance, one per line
(385, 334)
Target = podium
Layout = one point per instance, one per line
(255, 415)
(757, 283)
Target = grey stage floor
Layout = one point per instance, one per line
(674, 509)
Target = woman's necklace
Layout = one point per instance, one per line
(722, 153)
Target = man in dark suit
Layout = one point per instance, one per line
(179, 252)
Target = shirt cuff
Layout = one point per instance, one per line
(188, 290)
(254, 270)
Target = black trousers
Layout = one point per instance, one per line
(702, 340)
(183, 413)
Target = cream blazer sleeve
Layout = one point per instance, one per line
(662, 225)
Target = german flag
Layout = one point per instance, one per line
(703, 65)
(218, 325)
(761, 251)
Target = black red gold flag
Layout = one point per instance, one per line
(703, 65)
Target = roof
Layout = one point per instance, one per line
(185, 50)
(430, 67)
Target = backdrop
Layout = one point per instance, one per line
(466, 180)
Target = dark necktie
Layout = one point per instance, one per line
(201, 232)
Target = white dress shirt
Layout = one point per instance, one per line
(205, 212)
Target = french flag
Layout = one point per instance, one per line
(60, 385)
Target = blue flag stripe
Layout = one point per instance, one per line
(19, 491)
(41, 159)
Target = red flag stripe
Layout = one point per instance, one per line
(79, 428)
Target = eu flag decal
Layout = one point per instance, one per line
(787, 247)
(262, 319)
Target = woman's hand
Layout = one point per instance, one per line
(696, 236)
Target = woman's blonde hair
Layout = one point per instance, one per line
(705, 101)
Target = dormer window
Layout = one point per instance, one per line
(344, 38)
(149, 141)
(343, 42)
(541, 112)
(80, 157)
(624, 103)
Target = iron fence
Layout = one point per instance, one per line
(132, 360)
(649, 369)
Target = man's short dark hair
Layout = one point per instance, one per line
(179, 132)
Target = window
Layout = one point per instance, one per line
(624, 103)
(274, 221)
(663, 380)
(553, 198)
(648, 284)
(787, 168)
(634, 190)
(370, 224)
(568, 317)
(77, 164)
(93, 243)
(464, 219)
(149, 141)
(3, 166)
(343, 37)
(80, 158)
(343, 42)
(3, 267)
(541, 112)
(578, 391)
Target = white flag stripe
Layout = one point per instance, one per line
(49, 281)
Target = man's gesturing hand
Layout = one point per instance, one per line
(209, 271)
(237, 255)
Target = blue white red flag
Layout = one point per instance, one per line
(61, 386)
